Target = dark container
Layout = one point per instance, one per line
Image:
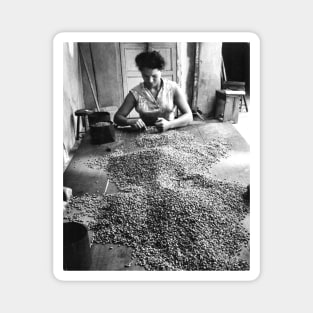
(97, 117)
(76, 247)
(101, 128)
(102, 134)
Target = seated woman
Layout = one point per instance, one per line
(156, 99)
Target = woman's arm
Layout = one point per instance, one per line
(120, 117)
(183, 120)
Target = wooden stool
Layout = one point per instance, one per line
(81, 114)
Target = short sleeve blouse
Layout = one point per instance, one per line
(150, 107)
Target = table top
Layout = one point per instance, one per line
(83, 179)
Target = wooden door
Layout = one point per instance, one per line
(130, 73)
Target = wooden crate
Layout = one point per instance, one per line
(227, 105)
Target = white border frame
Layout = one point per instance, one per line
(254, 112)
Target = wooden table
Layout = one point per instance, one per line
(83, 179)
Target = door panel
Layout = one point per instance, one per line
(130, 55)
(133, 82)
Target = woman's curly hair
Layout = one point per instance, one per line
(150, 59)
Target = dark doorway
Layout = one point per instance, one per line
(236, 56)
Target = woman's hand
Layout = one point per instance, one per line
(138, 124)
(162, 124)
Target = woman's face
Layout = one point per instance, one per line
(151, 77)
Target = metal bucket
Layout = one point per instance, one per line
(76, 247)
(102, 132)
(101, 128)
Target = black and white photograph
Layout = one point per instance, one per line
(160, 151)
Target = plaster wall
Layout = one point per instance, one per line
(210, 62)
(72, 96)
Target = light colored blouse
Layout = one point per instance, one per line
(149, 107)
